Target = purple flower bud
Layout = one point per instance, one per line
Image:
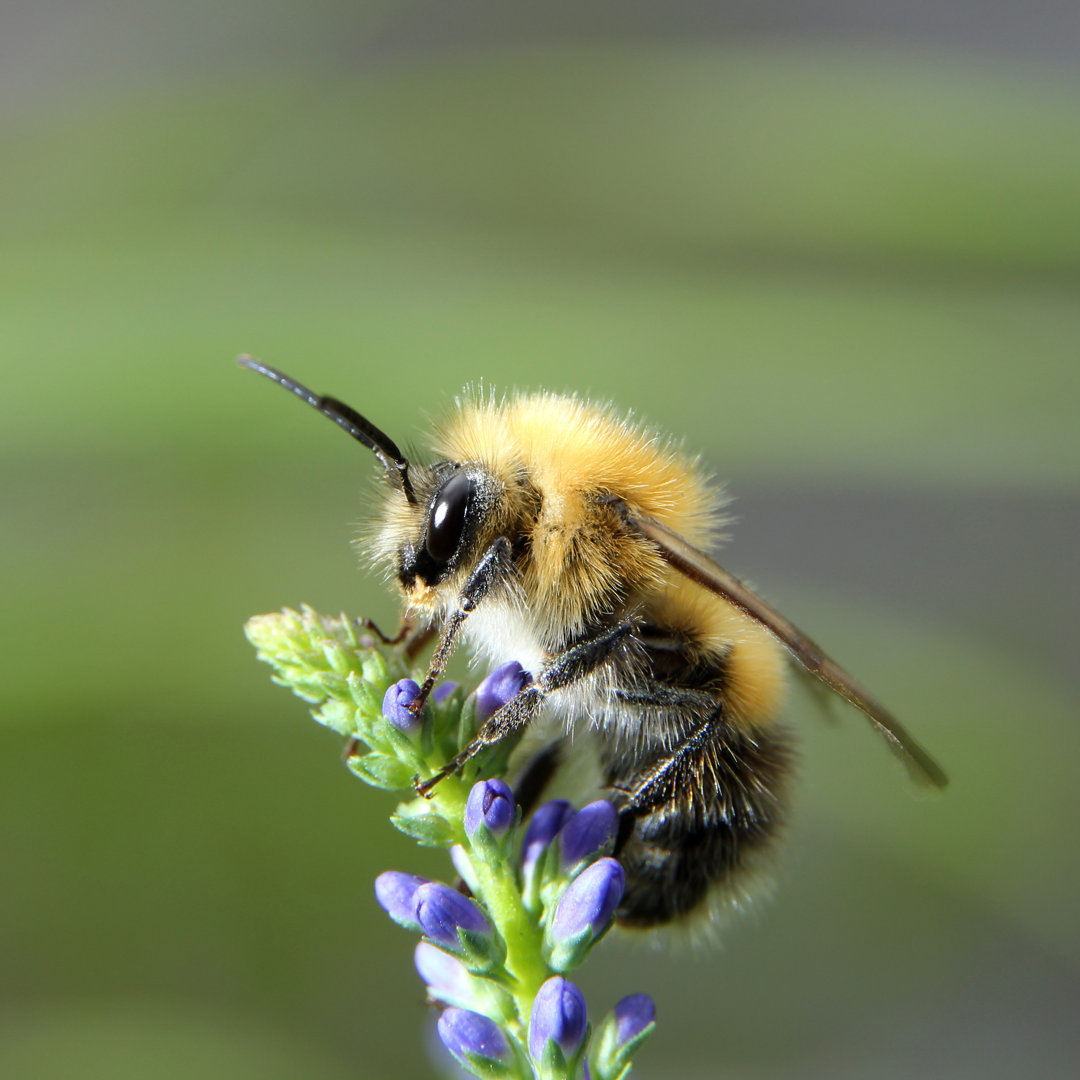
(463, 865)
(498, 688)
(395, 706)
(632, 1016)
(441, 912)
(545, 824)
(396, 894)
(589, 833)
(443, 691)
(621, 1034)
(558, 1013)
(589, 902)
(465, 1032)
(490, 803)
(446, 978)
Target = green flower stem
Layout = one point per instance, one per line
(501, 896)
(524, 957)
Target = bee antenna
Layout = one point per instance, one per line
(348, 419)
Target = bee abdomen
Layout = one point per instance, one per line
(671, 871)
(705, 834)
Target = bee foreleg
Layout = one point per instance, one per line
(409, 637)
(492, 565)
(403, 631)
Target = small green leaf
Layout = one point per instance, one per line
(338, 716)
(423, 823)
(307, 687)
(405, 746)
(335, 686)
(363, 695)
(381, 771)
(563, 956)
(375, 671)
(336, 656)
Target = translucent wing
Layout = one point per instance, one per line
(697, 566)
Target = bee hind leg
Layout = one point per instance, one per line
(656, 784)
(699, 819)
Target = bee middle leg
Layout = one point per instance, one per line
(574, 663)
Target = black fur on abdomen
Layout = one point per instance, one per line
(704, 830)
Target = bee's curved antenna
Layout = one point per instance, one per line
(348, 419)
(699, 567)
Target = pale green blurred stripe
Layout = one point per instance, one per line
(849, 264)
(129, 1040)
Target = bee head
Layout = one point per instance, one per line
(442, 535)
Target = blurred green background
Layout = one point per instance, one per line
(838, 250)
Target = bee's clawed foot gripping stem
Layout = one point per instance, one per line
(425, 788)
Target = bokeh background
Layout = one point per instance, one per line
(836, 246)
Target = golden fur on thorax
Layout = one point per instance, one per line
(571, 447)
(572, 452)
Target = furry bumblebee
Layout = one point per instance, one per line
(550, 532)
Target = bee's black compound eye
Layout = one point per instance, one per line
(447, 521)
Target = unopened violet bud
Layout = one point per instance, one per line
(445, 977)
(441, 912)
(396, 894)
(395, 706)
(621, 1034)
(543, 828)
(443, 691)
(632, 1016)
(470, 1034)
(498, 688)
(588, 834)
(585, 911)
(490, 803)
(463, 865)
(450, 981)
(559, 1016)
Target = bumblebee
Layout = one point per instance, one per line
(549, 531)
